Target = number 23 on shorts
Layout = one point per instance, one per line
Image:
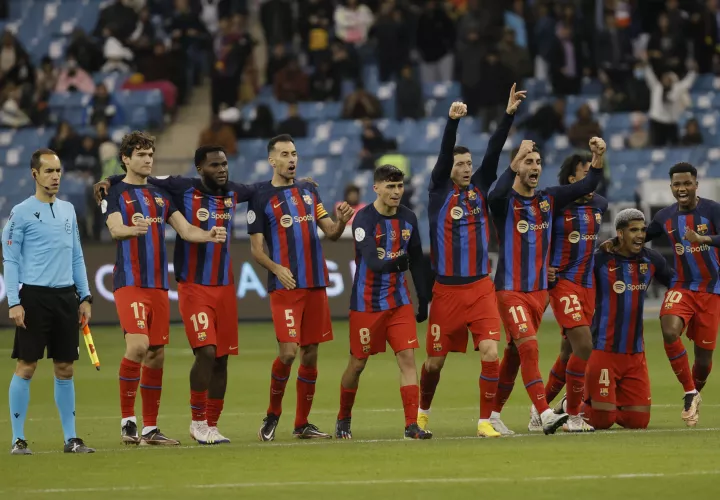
(571, 304)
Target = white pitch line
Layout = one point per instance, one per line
(341, 442)
(314, 412)
(426, 480)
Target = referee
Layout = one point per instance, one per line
(41, 250)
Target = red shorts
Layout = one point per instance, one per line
(301, 316)
(572, 304)
(521, 312)
(144, 311)
(370, 330)
(456, 309)
(209, 314)
(618, 379)
(699, 310)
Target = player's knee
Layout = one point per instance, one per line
(155, 357)
(63, 370)
(602, 419)
(25, 369)
(633, 419)
(206, 355)
(488, 350)
(357, 365)
(287, 358)
(220, 365)
(670, 336)
(435, 364)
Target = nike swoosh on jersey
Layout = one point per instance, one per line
(613, 268)
(198, 197)
(127, 202)
(671, 231)
(275, 206)
(568, 219)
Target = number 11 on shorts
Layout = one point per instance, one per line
(518, 312)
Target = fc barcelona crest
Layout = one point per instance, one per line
(604, 392)
(472, 195)
(544, 206)
(598, 218)
(405, 234)
(160, 202)
(228, 202)
(523, 327)
(643, 268)
(307, 199)
(702, 229)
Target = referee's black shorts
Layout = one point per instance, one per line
(51, 318)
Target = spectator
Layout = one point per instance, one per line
(515, 21)
(565, 63)
(669, 98)
(352, 197)
(352, 22)
(614, 54)
(315, 25)
(104, 107)
(101, 133)
(73, 78)
(117, 56)
(165, 70)
(294, 125)
(409, 101)
(22, 74)
(276, 17)
(11, 54)
(187, 30)
(392, 41)
(278, 60)
(12, 114)
(545, 122)
(82, 48)
(46, 78)
(692, 135)
(291, 83)
(515, 57)
(638, 138)
(118, 18)
(480, 28)
(435, 41)
(87, 161)
(678, 19)
(142, 38)
(65, 143)
(361, 104)
(374, 144)
(584, 129)
(491, 93)
(324, 84)
(544, 41)
(666, 49)
(263, 126)
(345, 65)
(220, 134)
(705, 30)
(231, 54)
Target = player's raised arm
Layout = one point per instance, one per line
(12, 242)
(443, 166)
(332, 230)
(194, 234)
(498, 197)
(568, 193)
(487, 173)
(417, 269)
(365, 245)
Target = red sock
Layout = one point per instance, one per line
(129, 380)
(576, 383)
(700, 375)
(428, 384)
(677, 355)
(278, 380)
(410, 397)
(489, 378)
(530, 369)
(150, 390)
(198, 405)
(509, 367)
(633, 419)
(306, 377)
(556, 379)
(347, 400)
(214, 409)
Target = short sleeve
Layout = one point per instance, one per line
(110, 204)
(255, 215)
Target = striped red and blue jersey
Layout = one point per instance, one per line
(287, 216)
(697, 266)
(459, 218)
(379, 239)
(141, 261)
(621, 285)
(575, 234)
(524, 225)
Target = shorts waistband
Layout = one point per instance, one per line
(48, 290)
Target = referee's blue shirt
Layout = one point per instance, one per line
(41, 247)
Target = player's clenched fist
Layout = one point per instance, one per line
(286, 277)
(457, 110)
(140, 227)
(525, 149)
(597, 146)
(344, 212)
(218, 234)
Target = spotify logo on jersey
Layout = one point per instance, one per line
(202, 214)
(574, 237)
(381, 253)
(137, 218)
(679, 248)
(456, 213)
(619, 287)
(523, 226)
(286, 221)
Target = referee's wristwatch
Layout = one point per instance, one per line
(88, 299)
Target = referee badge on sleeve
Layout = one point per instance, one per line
(251, 216)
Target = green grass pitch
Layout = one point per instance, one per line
(667, 461)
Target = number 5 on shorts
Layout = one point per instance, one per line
(289, 318)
